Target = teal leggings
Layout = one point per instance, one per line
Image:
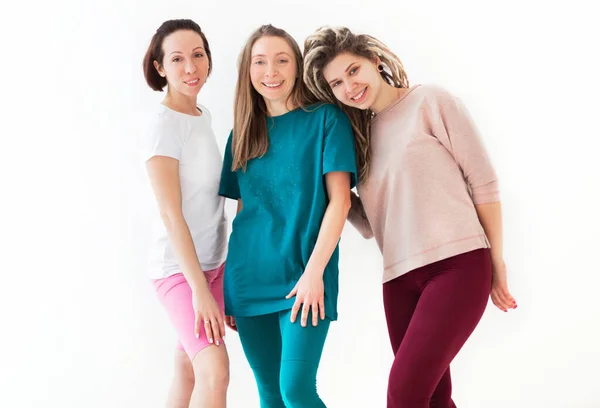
(284, 357)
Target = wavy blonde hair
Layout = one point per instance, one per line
(250, 139)
(320, 48)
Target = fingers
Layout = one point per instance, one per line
(230, 322)
(218, 329)
(322, 307)
(197, 325)
(293, 292)
(503, 300)
(305, 310)
(209, 331)
(497, 302)
(508, 299)
(295, 310)
(315, 314)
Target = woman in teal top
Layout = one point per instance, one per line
(290, 163)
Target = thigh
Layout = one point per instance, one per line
(453, 300)
(261, 339)
(400, 298)
(215, 279)
(175, 295)
(302, 343)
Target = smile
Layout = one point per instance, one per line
(273, 85)
(358, 97)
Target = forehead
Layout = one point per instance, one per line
(183, 41)
(270, 46)
(337, 66)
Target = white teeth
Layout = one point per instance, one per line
(194, 82)
(359, 95)
(272, 85)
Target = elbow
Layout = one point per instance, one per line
(367, 233)
(341, 205)
(171, 217)
(345, 206)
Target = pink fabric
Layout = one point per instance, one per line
(175, 294)
(428, 170)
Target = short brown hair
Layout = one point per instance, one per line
(155, 50)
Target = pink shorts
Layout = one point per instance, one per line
(175, 294)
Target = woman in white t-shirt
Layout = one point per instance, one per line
(184, 167)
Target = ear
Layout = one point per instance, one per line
(376, 60)
(159, 69)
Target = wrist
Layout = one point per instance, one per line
(199, 287)
(498, 262)
(314, 271)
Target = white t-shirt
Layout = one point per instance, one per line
(191, 140)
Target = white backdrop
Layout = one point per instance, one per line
(80, 323)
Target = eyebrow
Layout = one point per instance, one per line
(263, 55)
(346, 70)
(179, 52)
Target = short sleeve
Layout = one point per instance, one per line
(165, 138)
(229, 186)
(205, 112)
(339, 153)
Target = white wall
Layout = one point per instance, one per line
(80, 324)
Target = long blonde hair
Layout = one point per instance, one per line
(320, 48)
(250, 138)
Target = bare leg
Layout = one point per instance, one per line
(211, 370)
(183, 381)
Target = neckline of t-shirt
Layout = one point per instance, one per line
(396, 102)
(187, 115)
(284, 115)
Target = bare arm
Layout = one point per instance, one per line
(358, 217)
(338, 189)
(309, 290)
(490, 217)
(164, 177)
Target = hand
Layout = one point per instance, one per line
(230, 322)
(310, 293)
(500, 295)
(208, 315)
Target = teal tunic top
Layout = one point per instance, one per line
(284, 200)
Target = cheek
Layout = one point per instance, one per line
(203, 65)
(340, 93)
(256, 73)
(290, 71)
(172, 73)
(291, 81)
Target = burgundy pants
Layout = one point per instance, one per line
(431, 312)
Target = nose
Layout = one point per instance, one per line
(190, 67)
(271, 71)
(351, 87)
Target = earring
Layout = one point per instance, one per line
(380, 67)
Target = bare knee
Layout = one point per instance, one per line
(183, 369)
(211, 369)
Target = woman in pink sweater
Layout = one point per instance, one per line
(429, 195)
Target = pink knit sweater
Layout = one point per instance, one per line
(428, 170)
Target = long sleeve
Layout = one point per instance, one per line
(457, 132)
